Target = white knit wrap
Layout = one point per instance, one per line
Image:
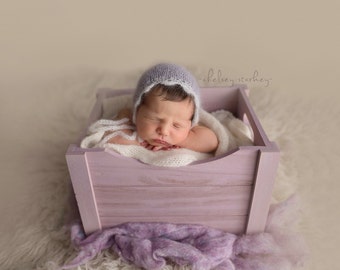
(231, 133)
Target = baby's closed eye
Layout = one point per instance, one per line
(177, 125)
(151, 118)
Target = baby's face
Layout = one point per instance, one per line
(162, 122)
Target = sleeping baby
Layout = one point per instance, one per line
(165, 113)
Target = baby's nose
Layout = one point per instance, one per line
(163, 129)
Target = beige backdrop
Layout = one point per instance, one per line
(291, 47)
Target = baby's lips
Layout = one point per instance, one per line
(164, 143)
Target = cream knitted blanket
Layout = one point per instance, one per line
(231, 133)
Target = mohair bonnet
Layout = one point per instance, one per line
(167, 74)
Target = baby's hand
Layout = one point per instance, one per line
(158, 148)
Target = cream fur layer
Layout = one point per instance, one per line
(33, 236)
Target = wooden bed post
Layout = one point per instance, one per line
(268, 161)
(83, 189)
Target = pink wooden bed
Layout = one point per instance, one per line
(230, 192)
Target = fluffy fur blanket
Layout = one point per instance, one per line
(149, 245)
(231, 133)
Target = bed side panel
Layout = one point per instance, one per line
(215, 193)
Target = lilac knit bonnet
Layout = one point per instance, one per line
(167, 74)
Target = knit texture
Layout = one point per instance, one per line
(167, 74)
(230, 131)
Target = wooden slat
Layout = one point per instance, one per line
(231, 224)
(180, 201)
(235, 169)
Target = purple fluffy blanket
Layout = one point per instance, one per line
(150, 245)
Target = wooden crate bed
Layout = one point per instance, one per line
(230, 192)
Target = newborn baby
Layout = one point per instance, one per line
(165, 113)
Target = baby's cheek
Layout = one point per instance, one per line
(182, 136)
(144, 132)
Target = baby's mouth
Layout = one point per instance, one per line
(161, 142)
